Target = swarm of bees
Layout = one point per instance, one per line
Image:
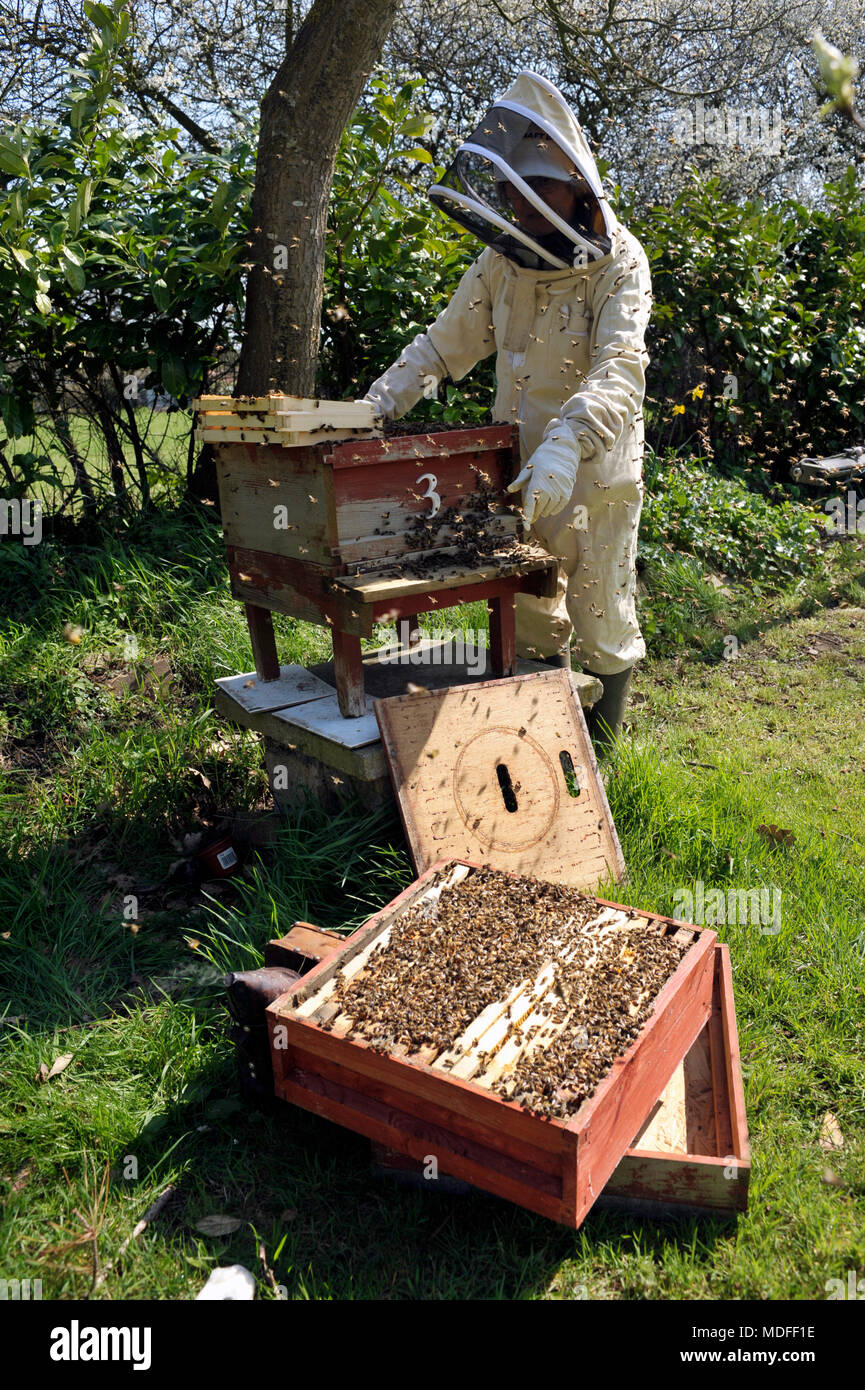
(468, 534)
(448, 960)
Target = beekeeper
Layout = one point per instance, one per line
(562, 295)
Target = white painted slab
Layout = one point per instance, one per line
(295, 687)
(323, 717)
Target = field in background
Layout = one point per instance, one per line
(165, 437)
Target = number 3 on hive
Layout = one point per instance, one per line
(430, 479)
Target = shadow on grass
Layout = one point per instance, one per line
(89, 929)
(303, 1188)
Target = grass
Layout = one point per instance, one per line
(112, 754)
(44, 464)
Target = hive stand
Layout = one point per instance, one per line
(368, 599)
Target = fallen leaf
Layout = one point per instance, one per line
(57, 1066)
(774, 835)
(206, 780)
(830, 1132)
(218, 1225)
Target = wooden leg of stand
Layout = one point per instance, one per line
(348, 669)
(263, 643)
(406, 627)
(503, 639)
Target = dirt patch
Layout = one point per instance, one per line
(840, 634)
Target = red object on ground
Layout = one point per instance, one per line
(219, 860)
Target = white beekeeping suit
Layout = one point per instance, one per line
(565, 310)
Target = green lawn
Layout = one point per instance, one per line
(48, 470)
(112, 754)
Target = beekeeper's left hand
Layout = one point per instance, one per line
(550, 474)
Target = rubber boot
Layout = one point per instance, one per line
(605, 716)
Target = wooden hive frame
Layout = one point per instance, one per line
(692, 1156)
(556, 1168)
(286, 421)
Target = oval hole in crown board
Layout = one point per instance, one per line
(571, 780)
(479, 795)
(507, 786)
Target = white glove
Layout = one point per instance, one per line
(550, 474)
(417, 372)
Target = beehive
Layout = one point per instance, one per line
(297, 517)
(348, 532)
(447, 1101)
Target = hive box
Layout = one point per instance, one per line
(347, 507)
(554, 1167)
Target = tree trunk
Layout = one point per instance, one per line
(303, 115)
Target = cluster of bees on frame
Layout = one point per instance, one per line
(446, 961)
(469, 532)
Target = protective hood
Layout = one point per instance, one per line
(498, 185)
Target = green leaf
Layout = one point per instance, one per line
(173, 375)
(75, 277)
(43, 303)
(12, 159)
(161, 296)
(418, 154)
(419, 124)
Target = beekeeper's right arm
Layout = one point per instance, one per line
(460, 337)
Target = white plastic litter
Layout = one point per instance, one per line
(232, 1282)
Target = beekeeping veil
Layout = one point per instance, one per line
(528, 134)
